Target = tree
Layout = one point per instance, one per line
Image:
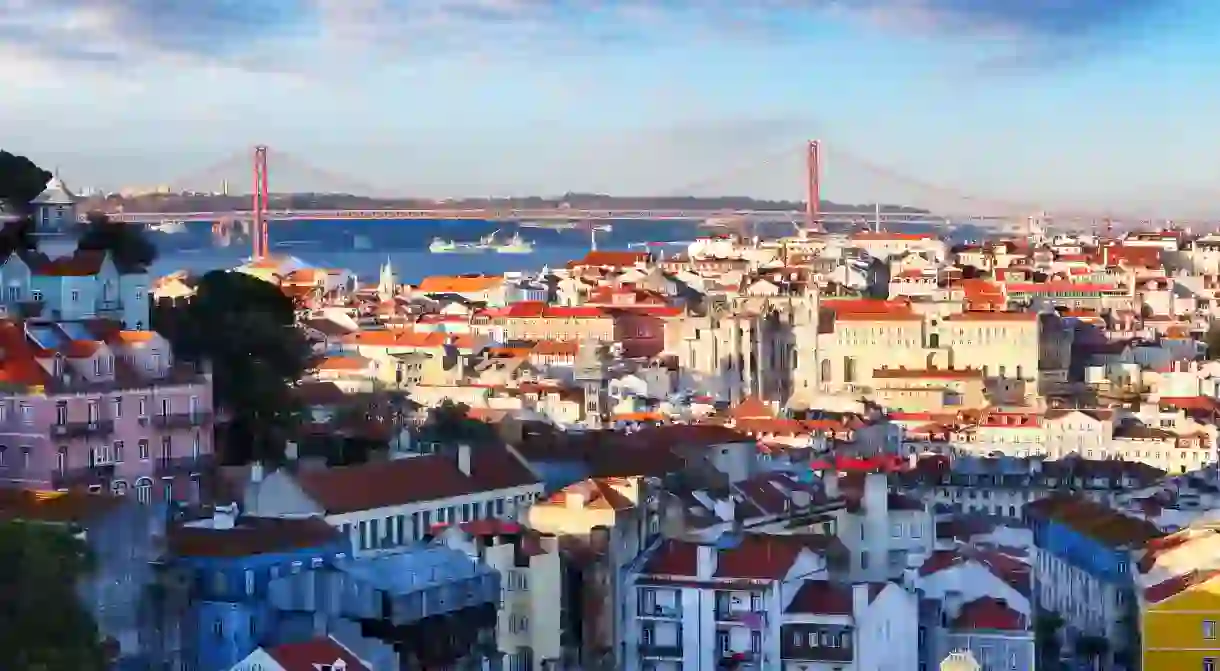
(20, 183)
(451, 423)
(1047, 640)
(43, 625)
(128, 245)
(246, 329)
(1212, 339)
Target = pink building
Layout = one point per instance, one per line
(87, 404)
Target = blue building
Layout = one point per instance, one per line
(219, 571)
(1082, 569)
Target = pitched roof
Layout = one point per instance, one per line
(251, 536)
(1094, 520)
(441, 284)
(315, 654)
(988, 613)
(55, 193)
(426, 478)
(396, 338)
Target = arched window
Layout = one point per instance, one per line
(826, 372)
(934, 341)
(119, 487)
(144, 490)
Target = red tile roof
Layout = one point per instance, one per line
(1178, 584)
(315, 654)
(251, 536)
(988, 613)
(821, 597)
(427, 478)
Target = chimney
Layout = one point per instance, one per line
(224, 517)
(860, 598)
(706, 561)
(876, 492)
(830, 484)
(463, 459)
(256, 472)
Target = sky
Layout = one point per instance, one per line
(989, 106)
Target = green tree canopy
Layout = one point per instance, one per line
(246, 328)
(128, 245)
(43, 625)
(20, 183)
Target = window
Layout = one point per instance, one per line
(61, 413)
(118, 408)
(143, 406)
(167, 447)
(75, 295)
(144, 490)
(36, 294)
(1209, 630)
(93, 412)
(1209, 664)
(143, 447)
(118, 451)
(249, 582)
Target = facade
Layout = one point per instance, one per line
(223, 568)
(1177, 580)
(831, 626)
(533, 620)
(1082, 571)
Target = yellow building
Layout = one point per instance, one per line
(1179, 600)
(1178, 619)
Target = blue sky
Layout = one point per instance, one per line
(1092, 105)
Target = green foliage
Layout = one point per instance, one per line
(451, 423)
(20, 182)
(1212, 339)
(128, 245)
(246, 328)
(43, 626)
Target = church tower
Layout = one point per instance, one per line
(55, 218)
(386, 285)
(590, 374)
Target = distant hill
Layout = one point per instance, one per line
(171, 203)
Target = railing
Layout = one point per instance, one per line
(184, 465)
(180, 420)
(658, 610)
(747, 617)
(83, 477)
(95, 427)
(654, 650)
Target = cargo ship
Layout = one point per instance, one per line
(514, 245)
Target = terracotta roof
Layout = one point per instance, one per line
(252, 536)
(595, 493)
(541, 310)
(674, 557)
(752, 408)
(1179, 584)
(1094, 520)
(993, 316)
(821, 597)
(427, 478)
(612, 259)
(441, 284)
(988, 613)
(313, 655)
(79, 264)
(346, 362)
(396, 338)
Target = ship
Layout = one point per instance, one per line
(514, 245)
(441, 246)
(169, 226)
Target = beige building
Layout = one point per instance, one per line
(1010, 346)
(929, 390)
(532, 615)
(402, 359)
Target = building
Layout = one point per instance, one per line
(1083, 574)
(534, 619)
(319, 653)
(386, 506)
(222, 569)
(849, 627)
(1178, 577)
(731, 594)
(125, 539)
(89, 404)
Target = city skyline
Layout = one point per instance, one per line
(1104, 102)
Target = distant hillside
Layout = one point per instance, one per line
(170, 204)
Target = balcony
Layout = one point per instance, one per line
(89, 476)
(671, 650)
(749, 618)
(97, 427)
(178, 420)
(184, 465)
(668, 612)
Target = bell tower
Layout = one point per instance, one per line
(590, 374)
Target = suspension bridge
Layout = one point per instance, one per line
(936, 204)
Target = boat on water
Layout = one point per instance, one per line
(168, 226)
(550, 225)
(442, 246)
(361, 243)
(514, 245)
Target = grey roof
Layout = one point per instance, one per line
(55, 194)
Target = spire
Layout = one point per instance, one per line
(386, 285)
